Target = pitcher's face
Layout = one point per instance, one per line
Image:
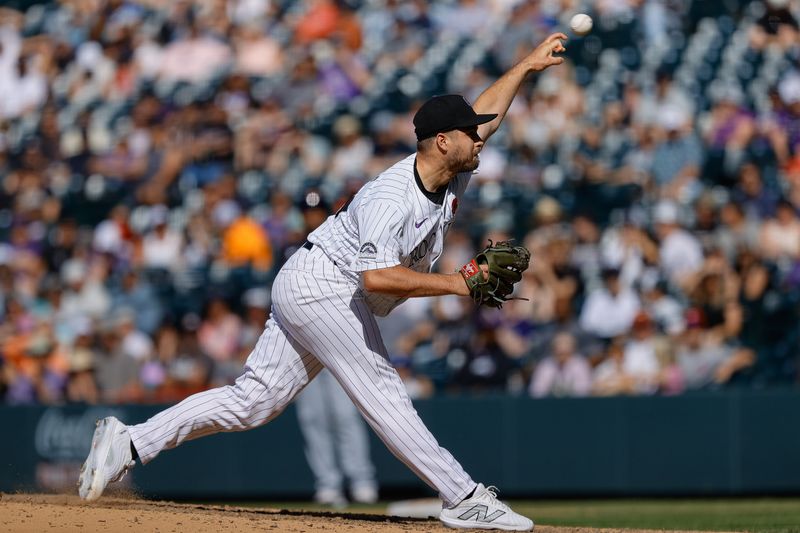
(468, 145)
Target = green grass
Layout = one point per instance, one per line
(767, 515)
(753, 515)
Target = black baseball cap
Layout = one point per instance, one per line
(445, 113)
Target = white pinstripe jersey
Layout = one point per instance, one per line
(390, 221)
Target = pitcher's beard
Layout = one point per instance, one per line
(471, 165)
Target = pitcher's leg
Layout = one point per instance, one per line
(343, 335)
(387, 408)
(276, 370)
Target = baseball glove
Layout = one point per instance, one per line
(492, 274)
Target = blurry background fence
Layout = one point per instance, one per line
(731, 443)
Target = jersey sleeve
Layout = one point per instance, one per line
(380, 227)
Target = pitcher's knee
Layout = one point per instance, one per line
(259, 406)
(249, 409)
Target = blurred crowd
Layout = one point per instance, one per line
(159, 161)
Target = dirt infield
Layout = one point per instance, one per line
(37, 513)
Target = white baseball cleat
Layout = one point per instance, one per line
(332, 497)
(484, 511)
(109, 458)
(365, 494)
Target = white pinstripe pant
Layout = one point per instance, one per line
(316, 321)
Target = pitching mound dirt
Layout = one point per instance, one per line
(37, 513)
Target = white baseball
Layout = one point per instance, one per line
(581, 24)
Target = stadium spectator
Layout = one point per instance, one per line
(113, 235)
(703, 359)
(677, 158)
(783, 125)
(727, 135)
(610, 378)
(134, 176)
(640, 355)
(680, 253)
(257, 54)
(133, 342)
(714, 290)
(256, 304)
(752, 194)
(161, 245)
(665, 106)
(485, 366)
(218, 337)
(564, 372)
(735, 232)
(245, 243)
(777, 26)
(85, 294)
(195, 58)
(116, 373)
(136, 293)
(665, 311)
(186, 368)
(610, 308)
(350, 155)
(780, 234)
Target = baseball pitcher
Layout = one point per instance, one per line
(362, 262)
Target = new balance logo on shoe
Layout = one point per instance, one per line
(478, 513)
(482, 510)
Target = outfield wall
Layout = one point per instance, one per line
(710, 444)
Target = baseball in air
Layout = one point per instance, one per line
(581, 24)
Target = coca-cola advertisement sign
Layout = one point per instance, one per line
(64, 436)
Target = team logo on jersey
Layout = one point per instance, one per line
(421, 251)
(368, 251)
(454, 206)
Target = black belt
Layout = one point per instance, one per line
(309, 245)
